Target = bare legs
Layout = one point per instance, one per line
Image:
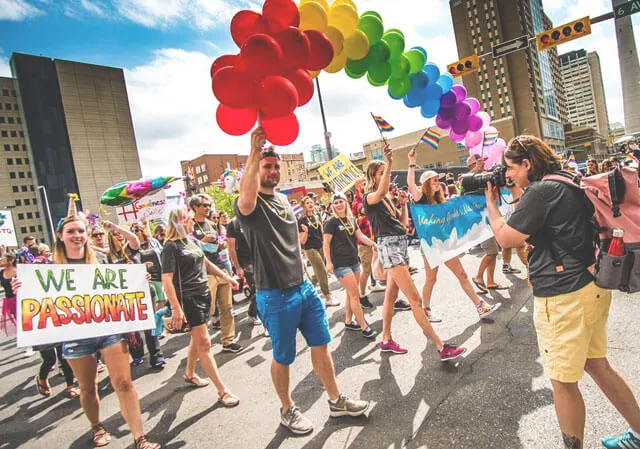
(353, 307)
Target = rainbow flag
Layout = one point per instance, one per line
(490, 138)
(383, 125)
(572, 164)
(431, 137)
(628, 157)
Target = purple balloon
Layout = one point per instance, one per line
(447, 113)
(448, 100)
(463, 111)
(459, 91)
(456, 137)
(473, 139)
(474, 104)
(475, 123)
(460, 126)
(443, 123)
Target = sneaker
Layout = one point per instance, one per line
(232, 347)
(484, 309)
(254, 320)
(348, 407)
(29, 352)
(352, 326)
(508, 269)
(401, 304)
(450, 352)
(369, 333)
(264, 332)
(332, 303)
(295, 421)
(136, 362)
(215, 325)
(157, 362)
(626, 441)
(392, 346)
(431, 316)
(365, 303)
(378, 288)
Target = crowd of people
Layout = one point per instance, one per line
(362, 237)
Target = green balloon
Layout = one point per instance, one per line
(400, 66)
(372, 13)
(396, 43)
(379, 52)
(395, 30)
(399, 87)
(357, 69)
(416, 60)
(379, 73)
(372, 27)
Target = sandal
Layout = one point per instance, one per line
(100, 436)
(43, 386)
(480, 285)
(73, 392)
(196, 381)
(497, 287)
(143, 443)
(228, 399)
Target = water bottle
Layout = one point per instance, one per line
(616, 247)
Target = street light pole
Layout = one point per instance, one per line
(46, 206)
(327, 134)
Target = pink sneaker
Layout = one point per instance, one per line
(450, 352)
(392, 346)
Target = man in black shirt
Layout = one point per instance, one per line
(285, 300)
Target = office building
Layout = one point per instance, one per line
(17, 190)
(629, 69)
(78, 128)
(522, 89)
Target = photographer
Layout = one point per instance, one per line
(570, 311)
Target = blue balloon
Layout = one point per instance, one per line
(419, 80)
(157, 183)
(415, 98)
(430, 109)
(433, 92)
(421, 50)
(446, 82)
(432, 71)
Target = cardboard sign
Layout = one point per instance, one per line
(7, 231)
(340, 173)
(151, 207)
(58, 303)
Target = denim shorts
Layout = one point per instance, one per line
(341, 272)
(393, 251)
(89, 346)
(285, 311)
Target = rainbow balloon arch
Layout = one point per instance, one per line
(283, 49)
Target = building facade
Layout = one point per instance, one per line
(521, 88)
(206, 170)
(292, 167)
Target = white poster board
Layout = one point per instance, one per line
(58, 303)
(150, 207)
(7, 231)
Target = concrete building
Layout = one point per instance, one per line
(630, 71)
(292, 167)
(522, 88)
(78, 128)
(17, 190)
(586, 102)
(208, 168)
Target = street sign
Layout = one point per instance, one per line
(511, 46)
(626, 9)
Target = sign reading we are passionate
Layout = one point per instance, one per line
(58, 303)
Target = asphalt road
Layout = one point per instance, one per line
(495, 397)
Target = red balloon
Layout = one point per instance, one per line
(304, 85)
(234, 87)
(321, 50)
(281, 131)
(224, 61)
(278, 96)
(295, 47)
(262, 55)
(236, 122)
(245, 24)
(281, 14)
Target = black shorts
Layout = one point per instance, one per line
(196, 309)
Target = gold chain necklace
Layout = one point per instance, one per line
(315, 224)
(272, 209)
(350, 229)
(390, 207)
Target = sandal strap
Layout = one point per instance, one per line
(143, 443)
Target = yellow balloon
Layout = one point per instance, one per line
(344, 17)
(348, 2)
(337, 64)
(356, 45)
(313, 74)
(313, 17)
(336, 38)
(323, 3)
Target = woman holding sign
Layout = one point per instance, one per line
(431, 192)
(72, 247)
(184, 277)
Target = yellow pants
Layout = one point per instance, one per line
(316, 258)
(222, 293)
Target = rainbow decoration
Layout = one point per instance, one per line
(572, 164)
(382, 124)
(125, 193)
(431, 137)
(628, 157)
(490, 138)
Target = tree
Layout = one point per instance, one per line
(223, 200)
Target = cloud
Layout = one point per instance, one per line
(17, 10)
(5, 70)
(93, 7)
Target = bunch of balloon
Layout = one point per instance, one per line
(269, 78)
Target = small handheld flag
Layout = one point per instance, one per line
(628, 157)
(572, 164)
(383, 125)
(490, 138)
(432, 138)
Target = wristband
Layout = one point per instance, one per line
(413, 166)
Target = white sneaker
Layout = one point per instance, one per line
(378, 288)
(29, 352)
(264, 332)
(254, 321)
(332, 303)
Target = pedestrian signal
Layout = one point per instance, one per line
(464, 66)
(564, 33)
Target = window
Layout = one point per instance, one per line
(23, 229)
(18, 161)
(21, 175)
(11, 120)
(29, 216)
(1, 119)
(18, 203)
(26, 161)
(37, 214)
(24, 188)
(24, 148)
(21, 134)
(16, 148)
(14, 134)
(7, 147)
(19, 121)
(15, 189)
(20, 216)
(7, 106)
(5, 92)
(26, 202)
(12, 175)
(31, 188)
(463, 161)
(9, 161)
(4, 134)
(39, 228)
(32, 229)
(28, 174)
(34, 201)
(15, 107)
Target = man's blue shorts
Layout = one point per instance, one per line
(283, 312)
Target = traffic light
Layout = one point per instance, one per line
(464, 66)
(564, 33)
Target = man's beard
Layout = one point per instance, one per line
(269, 182)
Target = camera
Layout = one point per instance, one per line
(477, 182)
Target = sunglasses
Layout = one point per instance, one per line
(98, 234)
(205, 205)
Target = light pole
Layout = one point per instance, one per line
(46, 206)
(327, 134)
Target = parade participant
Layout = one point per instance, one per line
(160, 233)
(310, 229)
(223, 260)
(592, 167)
(431, 192)
(72, 247)
(285, 300)
(366, 258)
(340, 236)
(8, 323)
(388, 224)
(570, 311)
(221, 293)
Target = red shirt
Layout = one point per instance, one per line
(365, 227)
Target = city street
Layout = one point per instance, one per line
(495, 397)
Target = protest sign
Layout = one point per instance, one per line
(58, 303)
(149, 208)
(340, 173)
(7, 231)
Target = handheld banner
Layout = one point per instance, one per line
(58, 303)
(340, 173)
(150, 207)
(7, 231)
